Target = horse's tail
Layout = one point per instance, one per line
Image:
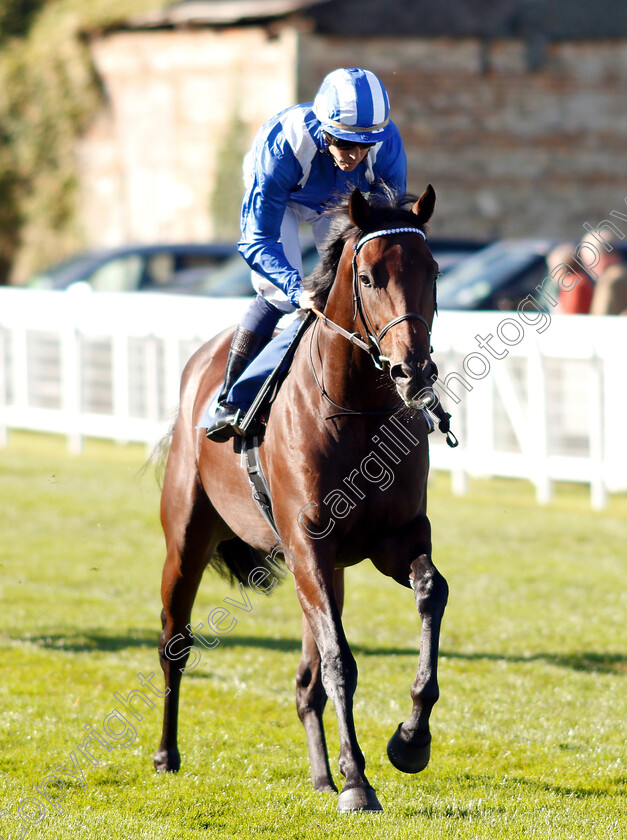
(159, 455)
(235, 560)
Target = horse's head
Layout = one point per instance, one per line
(393, 276)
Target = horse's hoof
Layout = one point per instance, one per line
(407, 757)
(167, 761)
(358, 799)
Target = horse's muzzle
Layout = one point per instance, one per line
(414, 383)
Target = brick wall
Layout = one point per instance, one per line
(509, 152)
(149, 163)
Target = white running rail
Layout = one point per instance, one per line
(540, 400)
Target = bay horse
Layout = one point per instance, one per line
(365, 361)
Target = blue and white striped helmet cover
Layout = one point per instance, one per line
(352, 104)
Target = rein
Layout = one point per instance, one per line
(343, 409)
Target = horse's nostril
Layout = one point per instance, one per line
(400, 371)
(430, 371)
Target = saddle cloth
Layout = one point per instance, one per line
(274, 354)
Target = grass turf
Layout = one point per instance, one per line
(529, 738)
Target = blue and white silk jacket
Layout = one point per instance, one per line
(288, 162)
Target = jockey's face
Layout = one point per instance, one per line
(346, 155)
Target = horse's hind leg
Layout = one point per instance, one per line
(187, 518)
(409, 748)
(311, 699)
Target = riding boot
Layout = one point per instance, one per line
(244, 347)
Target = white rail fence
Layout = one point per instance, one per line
(530, 398)
(551, 408)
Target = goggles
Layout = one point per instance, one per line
(345, 144)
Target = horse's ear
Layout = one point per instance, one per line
(423, 208)
(358, 209)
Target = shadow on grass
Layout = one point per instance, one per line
(93, 639)
(96, 639)
(589, 661)
(579, 792)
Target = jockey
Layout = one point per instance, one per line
(301, 160)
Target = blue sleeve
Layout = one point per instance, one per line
(391, 164)
(275, 174)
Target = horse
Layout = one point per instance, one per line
(361, 371)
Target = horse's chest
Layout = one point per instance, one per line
(372, 498)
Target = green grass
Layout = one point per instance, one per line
(529, 732)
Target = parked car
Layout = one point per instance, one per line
(497, 277)
(133, 268)
(452, 252)
(501, 276)
(232, 278)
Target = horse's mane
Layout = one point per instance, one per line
(386, 209)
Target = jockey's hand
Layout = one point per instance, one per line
(306, 300)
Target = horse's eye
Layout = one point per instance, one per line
(365, 280)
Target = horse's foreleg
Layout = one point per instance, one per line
(338, 671)
(311, 699)
(410, 747)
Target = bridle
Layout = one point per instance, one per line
(372, 344)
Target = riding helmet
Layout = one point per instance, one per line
(353, 105)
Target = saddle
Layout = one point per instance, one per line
(270, 387)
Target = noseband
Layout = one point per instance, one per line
(372, 345)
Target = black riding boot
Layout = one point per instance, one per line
(244, 347)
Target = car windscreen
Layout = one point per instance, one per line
(476, 278)
(233, 276)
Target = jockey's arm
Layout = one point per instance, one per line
(263, 207)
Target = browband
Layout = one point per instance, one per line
(377, 233)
